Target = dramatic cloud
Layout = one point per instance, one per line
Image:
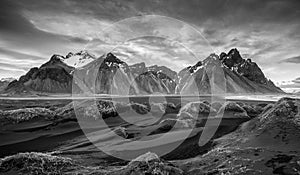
(267, 31)
(295, 59)
(152, 50)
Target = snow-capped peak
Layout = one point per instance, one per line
(78, 59)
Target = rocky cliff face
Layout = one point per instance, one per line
(230, 72)
(246, 68)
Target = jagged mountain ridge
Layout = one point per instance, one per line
(110, 75)
(232, 73)
(78, 59)
(113, 76)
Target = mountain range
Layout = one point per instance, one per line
(110, 75)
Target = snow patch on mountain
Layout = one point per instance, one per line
(78, 59)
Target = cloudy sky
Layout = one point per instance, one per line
(267, 31)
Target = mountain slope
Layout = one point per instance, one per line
(52, 77)
(278, 128)
(110, 75)
(267, 144)
(230, 71)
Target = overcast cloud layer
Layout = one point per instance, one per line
(267, 31)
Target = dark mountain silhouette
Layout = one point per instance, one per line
(52, 77)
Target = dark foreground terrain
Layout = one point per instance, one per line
(253, 137)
